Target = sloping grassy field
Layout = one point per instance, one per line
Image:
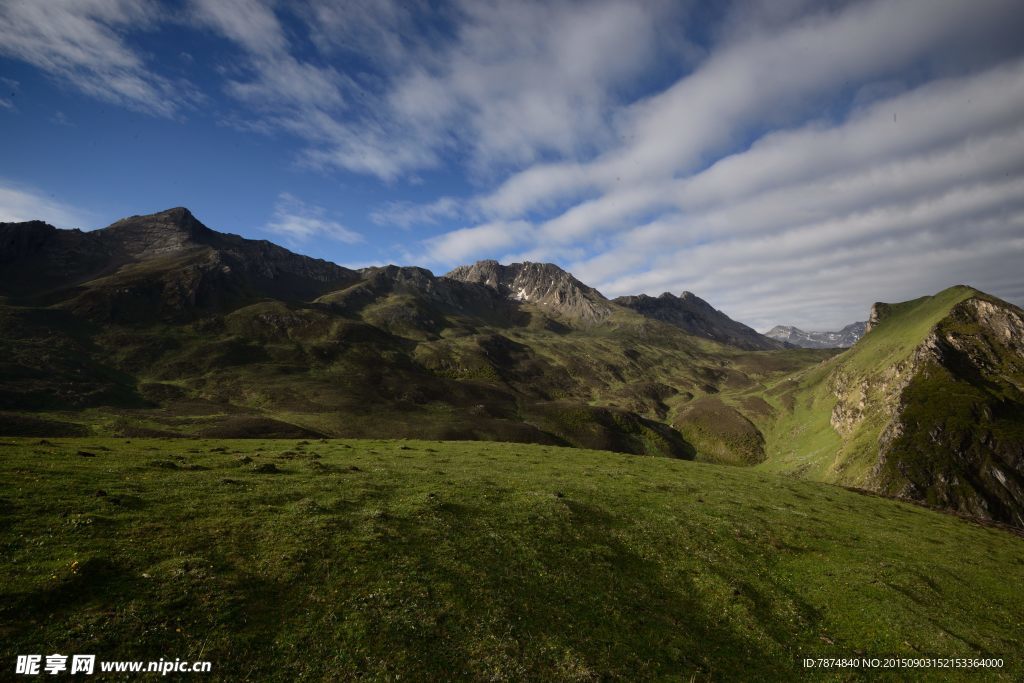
(803, 441)
(412, 560)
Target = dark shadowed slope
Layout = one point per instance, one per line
(692, 314)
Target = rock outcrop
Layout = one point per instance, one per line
(544, 285)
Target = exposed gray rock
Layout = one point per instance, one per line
(542, 284)
(844, 338)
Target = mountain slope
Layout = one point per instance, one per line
(692, 314)
(164, 266)
(928, 406)
(540, 284)
(794, 336)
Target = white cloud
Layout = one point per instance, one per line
(407, 214)
(61, 119)
(19, 203)
(298, 222)
(766, 79)
(459, 245)
(81, 43)
(515, 82)
(251, 23)
(815, 219)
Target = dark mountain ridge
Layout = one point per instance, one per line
(166, 265)
(692, 314)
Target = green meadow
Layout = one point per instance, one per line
(284, 560)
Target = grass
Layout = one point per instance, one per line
(438, 560)
(803, 441)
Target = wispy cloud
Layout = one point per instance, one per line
(61, 119)
(22, 203)
(298, 222)
(407, 214)
(517, 81)
(818, 217)
(82, 44)
(459, 245)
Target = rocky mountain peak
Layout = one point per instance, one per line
(541, 284)
(159, 233)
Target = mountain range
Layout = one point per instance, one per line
(159, 326)
(843, 339)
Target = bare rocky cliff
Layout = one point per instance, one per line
(948, 418)
(541, 284)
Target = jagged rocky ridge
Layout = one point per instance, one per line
(841, 339)
(539, 284)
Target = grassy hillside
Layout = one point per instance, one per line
(865, 379)
(400, 366)
(286, 560)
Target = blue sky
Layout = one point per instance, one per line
(789, 161)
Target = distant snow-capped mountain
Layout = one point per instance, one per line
(844, 338)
